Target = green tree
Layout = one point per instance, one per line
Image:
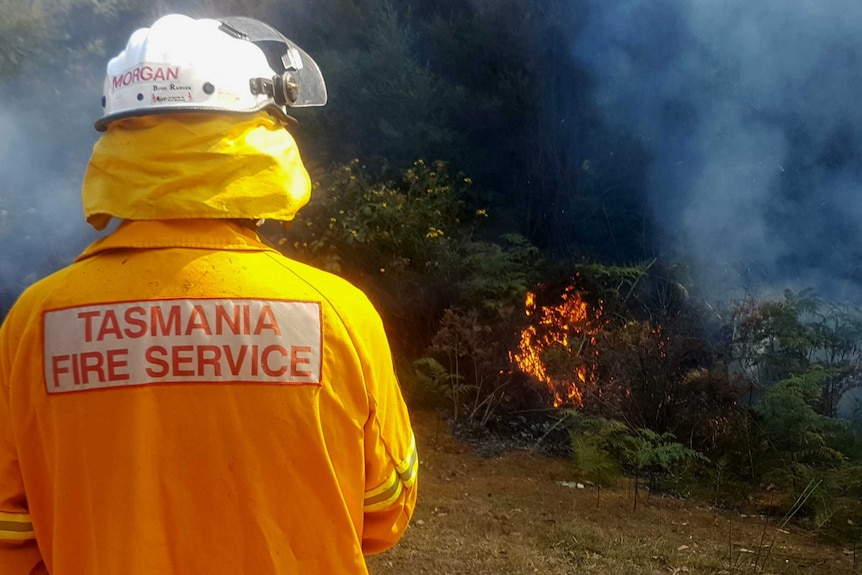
(591, 438)
(433, 378)
(602, 447)
(409, 242)
(772, 340)
(385, 106)
(645, 453)
(797, 439)
(22, 31)
(779, 339)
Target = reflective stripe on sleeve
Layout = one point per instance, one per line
(404, 475)
(384, 495)
(408, 469)
(15, 527)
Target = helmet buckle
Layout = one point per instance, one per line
(282, 89)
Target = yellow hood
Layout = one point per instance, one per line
(181, 166)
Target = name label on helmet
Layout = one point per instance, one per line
(145, 73)
(182, 341)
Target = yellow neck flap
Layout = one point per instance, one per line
(181, 166)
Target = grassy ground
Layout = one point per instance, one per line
(513, 515)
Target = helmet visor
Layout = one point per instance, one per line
(283, 56)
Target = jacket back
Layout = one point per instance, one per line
(184, 399)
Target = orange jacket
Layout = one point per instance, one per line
(184, 399)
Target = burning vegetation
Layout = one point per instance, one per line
(566, 334)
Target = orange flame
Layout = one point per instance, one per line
(554, 327)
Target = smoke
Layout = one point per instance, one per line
(752, 115)
(42, 227)
(49, 98)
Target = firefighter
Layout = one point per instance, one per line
(184, 398)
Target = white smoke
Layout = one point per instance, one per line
(42, 227)
(751, 113)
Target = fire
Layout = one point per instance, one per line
(570, 326)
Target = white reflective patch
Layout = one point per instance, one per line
(182, 341)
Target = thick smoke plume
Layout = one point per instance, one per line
(752, 114)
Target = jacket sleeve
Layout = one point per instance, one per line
(19, 554)
(391, 460)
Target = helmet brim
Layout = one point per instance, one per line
(101, 124)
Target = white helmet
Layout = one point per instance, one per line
(232, 64)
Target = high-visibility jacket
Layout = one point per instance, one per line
(184, 399)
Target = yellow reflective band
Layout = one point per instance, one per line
(404, 475)
(381, 497)
(16, 527)
(408, 468)
(383, 487)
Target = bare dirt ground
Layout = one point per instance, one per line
(514, 514)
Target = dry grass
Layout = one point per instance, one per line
(510, 515)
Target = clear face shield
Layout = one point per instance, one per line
(298, 82)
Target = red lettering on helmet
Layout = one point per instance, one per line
(145, 73)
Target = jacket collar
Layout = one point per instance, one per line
(200, 234)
